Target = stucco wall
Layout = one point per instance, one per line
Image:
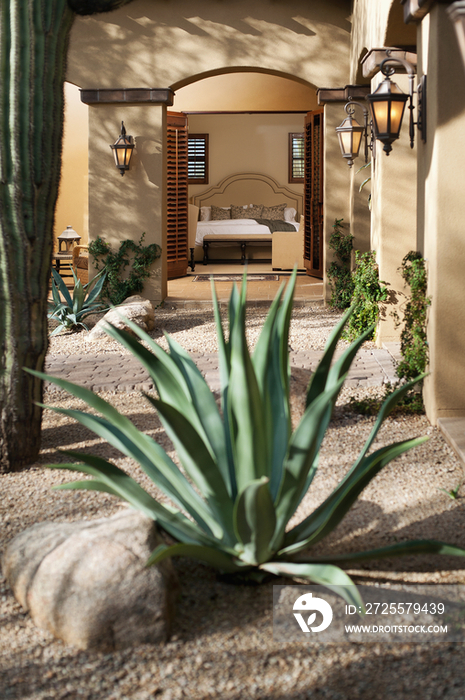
(125, 207)
(375, 24)
(152, 43)
(394, 207)
(441, 175)
(245, 91)
(72, 206)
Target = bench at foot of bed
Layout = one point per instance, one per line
(243, 241)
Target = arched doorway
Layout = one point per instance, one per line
(249, 118)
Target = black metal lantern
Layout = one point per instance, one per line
(387, 105)
(122, 150)
(350, 134)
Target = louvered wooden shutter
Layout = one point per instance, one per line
(177, 194)
(313, 192)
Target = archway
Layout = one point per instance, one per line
(248, 117)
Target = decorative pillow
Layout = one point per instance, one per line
(274, 213)
(205, 213)
(290, 214)
(238, 211)
(220, 213)
(245, 212)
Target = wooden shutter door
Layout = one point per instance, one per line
(177, 194)
(313, 194)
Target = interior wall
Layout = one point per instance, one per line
(72, 206)
(247, 143)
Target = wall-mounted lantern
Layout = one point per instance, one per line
(350, 133)
(456, 12)
(122, 150)
(387, 105)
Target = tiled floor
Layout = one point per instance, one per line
(187, 291)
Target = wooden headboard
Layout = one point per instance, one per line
(249, 188)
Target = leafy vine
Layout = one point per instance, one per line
(115, 288)
(339, 273)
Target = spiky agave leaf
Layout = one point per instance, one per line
(245, 471)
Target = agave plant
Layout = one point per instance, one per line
(244, 470)
(70, 311)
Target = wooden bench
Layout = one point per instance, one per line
(242, 239)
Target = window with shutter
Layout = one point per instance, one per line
(177, 195)
(197, 159)
(296, 157)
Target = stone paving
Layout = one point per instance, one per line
(122, 372)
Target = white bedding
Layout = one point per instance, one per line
(233, 227)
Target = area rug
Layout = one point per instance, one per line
(236, 278)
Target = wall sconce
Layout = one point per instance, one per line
(387, 105)
(350, 134)
(122, 150)
(456, 12)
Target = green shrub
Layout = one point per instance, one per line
(367, 295)
(244, 471)
(339, 274)
(115, 288)
(71, 311)
(413, 343)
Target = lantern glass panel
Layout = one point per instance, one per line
(397, 112)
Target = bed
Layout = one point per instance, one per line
(244, 210)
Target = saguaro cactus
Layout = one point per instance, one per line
(33, 46)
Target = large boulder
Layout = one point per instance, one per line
(137, 309)
(86, 582)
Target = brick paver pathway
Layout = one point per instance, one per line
(122, 372)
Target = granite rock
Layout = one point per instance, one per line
(87, 584)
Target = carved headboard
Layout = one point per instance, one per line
(249, 188)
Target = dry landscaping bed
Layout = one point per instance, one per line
(223, 644)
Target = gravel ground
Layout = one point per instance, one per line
(223, 643)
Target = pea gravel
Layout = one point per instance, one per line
(223, 644)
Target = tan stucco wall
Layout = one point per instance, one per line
(247, 143)
(152, 43)
(360, 218)
(376, 23)
(123, 207)
(72, 205)
(394, 223)
(336, 189)
(244, 91)
(442, 217)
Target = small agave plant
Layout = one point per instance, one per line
(71, 311)
(245, 471)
